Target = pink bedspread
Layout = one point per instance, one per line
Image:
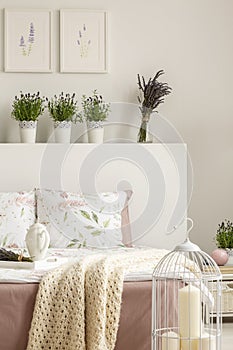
(16, 309)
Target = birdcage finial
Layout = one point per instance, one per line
(190, 228)
(187, 245)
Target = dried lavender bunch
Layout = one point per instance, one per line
(153, 92)
(28, 106)
(63, 107)
(8, 255)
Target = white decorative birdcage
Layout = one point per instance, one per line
(186, 301)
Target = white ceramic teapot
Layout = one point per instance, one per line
(37, 241)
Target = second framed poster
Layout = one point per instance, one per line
(83, 46)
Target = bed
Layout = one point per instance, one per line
(135, 334)
(18, 299)
(90, 169)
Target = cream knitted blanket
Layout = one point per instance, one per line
(78, 305)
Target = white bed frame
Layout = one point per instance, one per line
(156, 173)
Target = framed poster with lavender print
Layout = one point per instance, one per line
(83, 46)
(28, 40)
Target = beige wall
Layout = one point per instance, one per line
(192, 41)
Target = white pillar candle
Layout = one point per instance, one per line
(205, 342)
(189, 344)
(208, 342)
(170, 341)
(190, 312)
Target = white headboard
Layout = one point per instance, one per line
(156, 173)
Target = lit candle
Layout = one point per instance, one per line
(170, 341)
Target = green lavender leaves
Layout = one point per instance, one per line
(28, 107)
(224, 235)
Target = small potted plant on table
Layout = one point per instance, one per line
(95, 112)
(26, 110)
(224, 240)
(63, 110)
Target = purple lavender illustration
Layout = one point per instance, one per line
(83, 42)
(27, 49)
(22, 45)
(31, 38)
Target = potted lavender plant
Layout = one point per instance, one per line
(63, 110)
(153, 93)
(95, 112)
(224, 238)
(26, 110)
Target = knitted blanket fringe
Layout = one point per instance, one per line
(78, 305)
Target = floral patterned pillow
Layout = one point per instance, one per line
(17, 213)
(75, 220)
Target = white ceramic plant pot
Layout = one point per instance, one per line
(62, 131)
(230, 255)
(95, 131)
(37, 241)
(27, 131)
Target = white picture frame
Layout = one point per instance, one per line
(28, 40)
(83, 41)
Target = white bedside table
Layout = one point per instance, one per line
(227, 290)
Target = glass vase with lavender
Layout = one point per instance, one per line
(152, 95)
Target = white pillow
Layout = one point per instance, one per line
(17, 213)
(75, 220)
